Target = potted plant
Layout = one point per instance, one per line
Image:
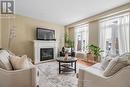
(95, 50)
(69, 41)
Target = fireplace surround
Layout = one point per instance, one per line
(41, 48)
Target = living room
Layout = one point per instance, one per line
(42, 37)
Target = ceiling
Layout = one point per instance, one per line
(64, 12)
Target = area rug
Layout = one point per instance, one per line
(49, 76)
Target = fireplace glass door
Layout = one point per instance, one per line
(46, 54)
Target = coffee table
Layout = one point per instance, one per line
(67, 65)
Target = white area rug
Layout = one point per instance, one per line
(49, 76)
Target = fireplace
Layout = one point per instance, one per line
(44, 50)
(46, 54)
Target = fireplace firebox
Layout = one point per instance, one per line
(46, 54)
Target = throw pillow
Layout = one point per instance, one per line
(19, 62)
(116, 64)
(127, 56)
(4, 60)
(105, 62)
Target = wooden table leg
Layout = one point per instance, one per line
(59, 68)
(75, 66)
(72, 64)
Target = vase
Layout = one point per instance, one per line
(90, 57)
(66, 56)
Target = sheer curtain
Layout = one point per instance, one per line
(123, 34)
(115, 42)
(81, 37)
(102, 43)
(114, 35)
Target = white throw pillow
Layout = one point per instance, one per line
(19, 62)
(116, 64)
(105, 62)
(4, 60)
(127, 56)
(68, 50)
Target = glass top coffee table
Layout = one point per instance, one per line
(67, 65)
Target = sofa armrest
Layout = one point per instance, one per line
(80, 78)
(18, 78)
(90, 79)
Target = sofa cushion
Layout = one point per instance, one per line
(96, 69)
(116, 64)
(20, 62)
(4, 60)
(97, 66)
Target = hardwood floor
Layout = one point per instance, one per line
(83, 62)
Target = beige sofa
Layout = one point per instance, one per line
(93, 77)
(19, 78)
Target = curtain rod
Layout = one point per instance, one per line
(86, 21)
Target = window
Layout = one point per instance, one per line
(114, 35)
(81, 38)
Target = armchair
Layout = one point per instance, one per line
(18, 78)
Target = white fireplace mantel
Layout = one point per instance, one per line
(38, 44)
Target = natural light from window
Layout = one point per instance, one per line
(81, 37)
(114, 35)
